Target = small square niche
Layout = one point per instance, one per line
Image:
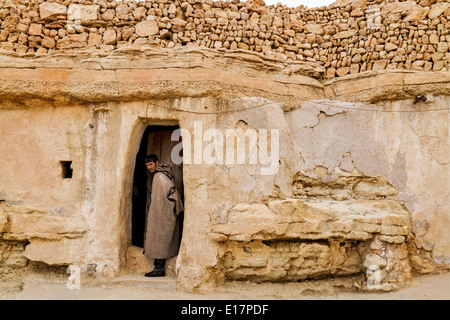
(67, 170)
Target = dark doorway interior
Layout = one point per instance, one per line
(156, 139)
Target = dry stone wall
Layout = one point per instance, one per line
(350, 36)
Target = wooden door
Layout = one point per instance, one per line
(159, 143)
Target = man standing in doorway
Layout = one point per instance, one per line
(162, 234)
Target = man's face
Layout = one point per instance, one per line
(151, 166)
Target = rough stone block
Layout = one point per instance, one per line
(299, 219)
(374, 260)
(48, 10)
(136, 261)
(409, 10)
(35, 29)
(437, 9)
(147, 28)
(379, 65)
(11, 254)
(283, 261)
(109, 37)
(62, 252)
(370, 189)
(3, 221)
(344, 34)
(81, 12)
(342, 71)
(44, 226)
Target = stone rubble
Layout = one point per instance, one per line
(348, 37)
(314, 236)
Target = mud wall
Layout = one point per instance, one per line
(356, 182)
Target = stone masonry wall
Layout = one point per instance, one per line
(345, 38)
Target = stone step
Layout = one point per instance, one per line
(140, 281)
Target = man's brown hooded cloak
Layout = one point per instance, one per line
(162, 235)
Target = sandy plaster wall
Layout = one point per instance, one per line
(321, 138)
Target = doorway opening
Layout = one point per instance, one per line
(155, 140)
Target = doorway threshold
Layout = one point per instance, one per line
(141, 281)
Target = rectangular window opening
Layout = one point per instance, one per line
(67, 170)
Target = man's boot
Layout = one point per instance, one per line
(160, 269)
